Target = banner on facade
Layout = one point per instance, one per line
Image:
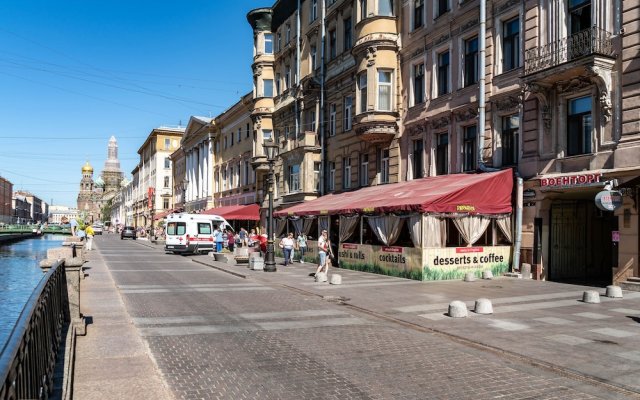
(455, 262)
(404, 262)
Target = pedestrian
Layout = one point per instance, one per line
(323, 249)
(74, 227)
(90, 234)
(231, 240)
(243, 237)
(217, 235)
(302, 246)
(287, 245)
(253, 238)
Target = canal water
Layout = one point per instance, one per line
(20, 273)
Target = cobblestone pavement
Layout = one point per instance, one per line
(281, 336)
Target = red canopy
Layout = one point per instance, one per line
(243, 212)
(485, 193)
(163, 214)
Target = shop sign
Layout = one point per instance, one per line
(571, 180)
(615, 236)
(405, 262)
(465, 208)
(609, 200)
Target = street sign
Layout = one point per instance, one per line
(615, 236)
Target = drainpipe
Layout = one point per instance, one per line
(515, 265)
(298, 43)
(323, 150)
(481, 83)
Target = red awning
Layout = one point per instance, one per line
(485, 193)
(163, 214)
(244, 212)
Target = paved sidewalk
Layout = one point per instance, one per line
(223, 331)
(112, 361)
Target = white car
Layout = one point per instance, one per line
(97, 229)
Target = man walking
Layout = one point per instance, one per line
(217, 234)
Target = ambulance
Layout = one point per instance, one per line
(192, 233)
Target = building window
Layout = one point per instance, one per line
(332, 176)
(313, 14)
(442, 154)
(166, 182)
(346, 173)
(384, 90)
(332, 120)
(278, 79)
(443, 73)
(225, 142)
(268, 43)
(287, 37)
(165, 204)
(332, 44)
(294, 178)
(364, 169)
(312, 119)
(579, 126)
(316, 176)
(313, 55)
(266, 134)
(469, 148)
(231, 173)
(167, 144)
(579, 15)
(167, 162)
(224, 179)
(385, 8)
(362, 88)
(347, 39)
(239, 135)
(511, 44)
(418, 84)
(470, 62)
(268, 87)
(217, 146)
(418, 14)
(348, 105)
(510, 131)
(279, 42)
(383, 167)
(248, 130)
(418, 151)
(247, 173)
(287, 77)
(443, 7)
(231, 137)
(363, 9)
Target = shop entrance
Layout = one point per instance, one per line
(581, 249)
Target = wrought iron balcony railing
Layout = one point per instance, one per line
(590, 41)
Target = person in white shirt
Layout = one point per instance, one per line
(323, 250)
(287, 245)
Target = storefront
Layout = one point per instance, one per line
(426, 229)
(567, 238)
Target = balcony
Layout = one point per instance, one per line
(583, 45)
(376, 127)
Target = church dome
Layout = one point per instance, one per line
(99, 182)
(87, 168)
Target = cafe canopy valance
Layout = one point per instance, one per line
(237, 212)
(483, 193)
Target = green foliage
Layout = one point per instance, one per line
(437, 274)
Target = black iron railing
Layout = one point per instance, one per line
(584, 43)
(28, 359)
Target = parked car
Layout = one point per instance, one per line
(97, 229)
(128, 232)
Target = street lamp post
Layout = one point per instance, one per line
(185, 185)
(271, 148)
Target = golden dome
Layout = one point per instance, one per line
(87, 168)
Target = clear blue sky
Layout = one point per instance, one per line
(75, 72)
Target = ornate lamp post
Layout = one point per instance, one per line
(185, 185)
(271, 150)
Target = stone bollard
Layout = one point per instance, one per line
(336, 279)
(487, 274)
(525, 270)
(614, 291)
(591, 296)
(256, 263)
(321, 277)
(483, 306)
(457, 309)
(469, 277)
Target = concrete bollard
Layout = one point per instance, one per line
(457, 309)
(336, 279)
(591, 296)
(614, 291)
(483, 306)
(321, 277)
(525, 270)
(487, 274)
(469, 277)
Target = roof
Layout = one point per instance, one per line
(249, 212)
(484, 193)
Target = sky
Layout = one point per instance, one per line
(75, 72)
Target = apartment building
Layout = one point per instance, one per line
(152, 177)
(197, 147)
(6, 193)
(179, 171)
